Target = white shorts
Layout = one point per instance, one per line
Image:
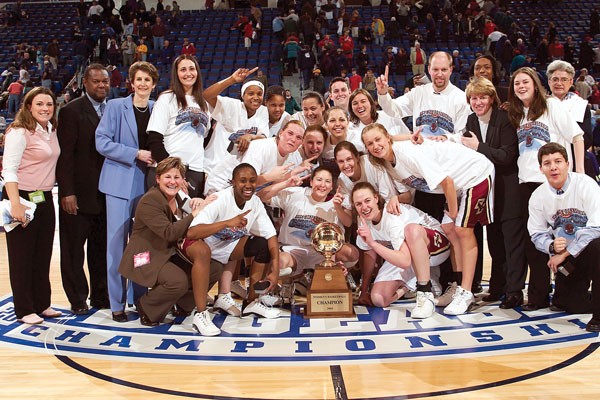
(305, 257)
(389, 272)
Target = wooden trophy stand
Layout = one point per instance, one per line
(329, 295)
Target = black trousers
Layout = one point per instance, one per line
(29, 254)
(571, 292)
(538, 290)
(506, 244)
(75, 231)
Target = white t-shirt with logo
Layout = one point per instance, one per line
(183, 129)
(394, 126)
(424, 166)
(302, 214)
(232, 119)
(555, 125)
(223, 208)
(442, 113)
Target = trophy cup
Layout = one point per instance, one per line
(329, 294)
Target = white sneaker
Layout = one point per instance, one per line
(270, 300)
(256, 307)
(203, 324)
(461, 302)
(226, 303)
(448, 296)
(239, 289)
(424, 307)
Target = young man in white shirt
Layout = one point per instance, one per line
(564, 222)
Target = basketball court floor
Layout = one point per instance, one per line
(378, 354)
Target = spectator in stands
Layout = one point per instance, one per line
(318, 82)
(141, 50)
(114, 52)
(159, 31)
(15, 92)
(95, 13)
(430, 28)
(54, 52)
(586, 53)
(261, 77)
(180, 121)
(146, 31)
(82, 12)
(123, 176)
(542, 52)
(378, 29)
(30, 153)
(291, 105)
(128, 47)
(306, 64)
(47, 77)
(365, 35)
(188, 48)
(166, 53)
(115, 82)
(418, 58)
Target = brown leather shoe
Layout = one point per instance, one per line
(144, 320)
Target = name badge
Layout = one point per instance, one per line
(141, 259)
(37, 197)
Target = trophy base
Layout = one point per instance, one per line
(329, 295)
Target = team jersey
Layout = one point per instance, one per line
(436, 113)
(301, 215)
(233, 122)
(424, 166)
(555, 125)
(394, 126)
(183, 129)
(223, 208)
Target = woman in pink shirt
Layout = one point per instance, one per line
(30, 154)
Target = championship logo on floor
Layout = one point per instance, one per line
(374, 334)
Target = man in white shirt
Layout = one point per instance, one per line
(564, 222)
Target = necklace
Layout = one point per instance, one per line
(142, 110)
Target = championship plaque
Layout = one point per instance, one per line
(329, 294)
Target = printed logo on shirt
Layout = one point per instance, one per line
(195, 117)
(568, 221)
(434, 123)
(231, 234)
(385, 243)
(416, 183)
(306, 224)
(532, 135)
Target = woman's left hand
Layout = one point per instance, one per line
(241, 74)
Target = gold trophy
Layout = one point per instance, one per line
(329, 294)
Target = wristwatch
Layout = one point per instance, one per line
(551, 249)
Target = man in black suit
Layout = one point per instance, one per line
(82, 214)
(490, 133)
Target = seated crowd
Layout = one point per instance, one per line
(175, 195)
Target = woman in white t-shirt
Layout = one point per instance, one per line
(409, 243)
(304, 209)
(363, 111)
(539, 120)
(179, 123)
(275, 102)
(239, 122)
(336, 122)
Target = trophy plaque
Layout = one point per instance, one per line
(329, 295)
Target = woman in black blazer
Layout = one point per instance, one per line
(490, 133)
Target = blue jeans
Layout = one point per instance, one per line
(13, 103)
(158, 42)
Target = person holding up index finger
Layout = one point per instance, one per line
(234, 226)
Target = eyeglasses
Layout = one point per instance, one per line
(561, 80)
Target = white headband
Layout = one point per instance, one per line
(252, 83)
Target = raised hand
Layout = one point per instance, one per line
(364, 232)
(241, 74)
(382, 82)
